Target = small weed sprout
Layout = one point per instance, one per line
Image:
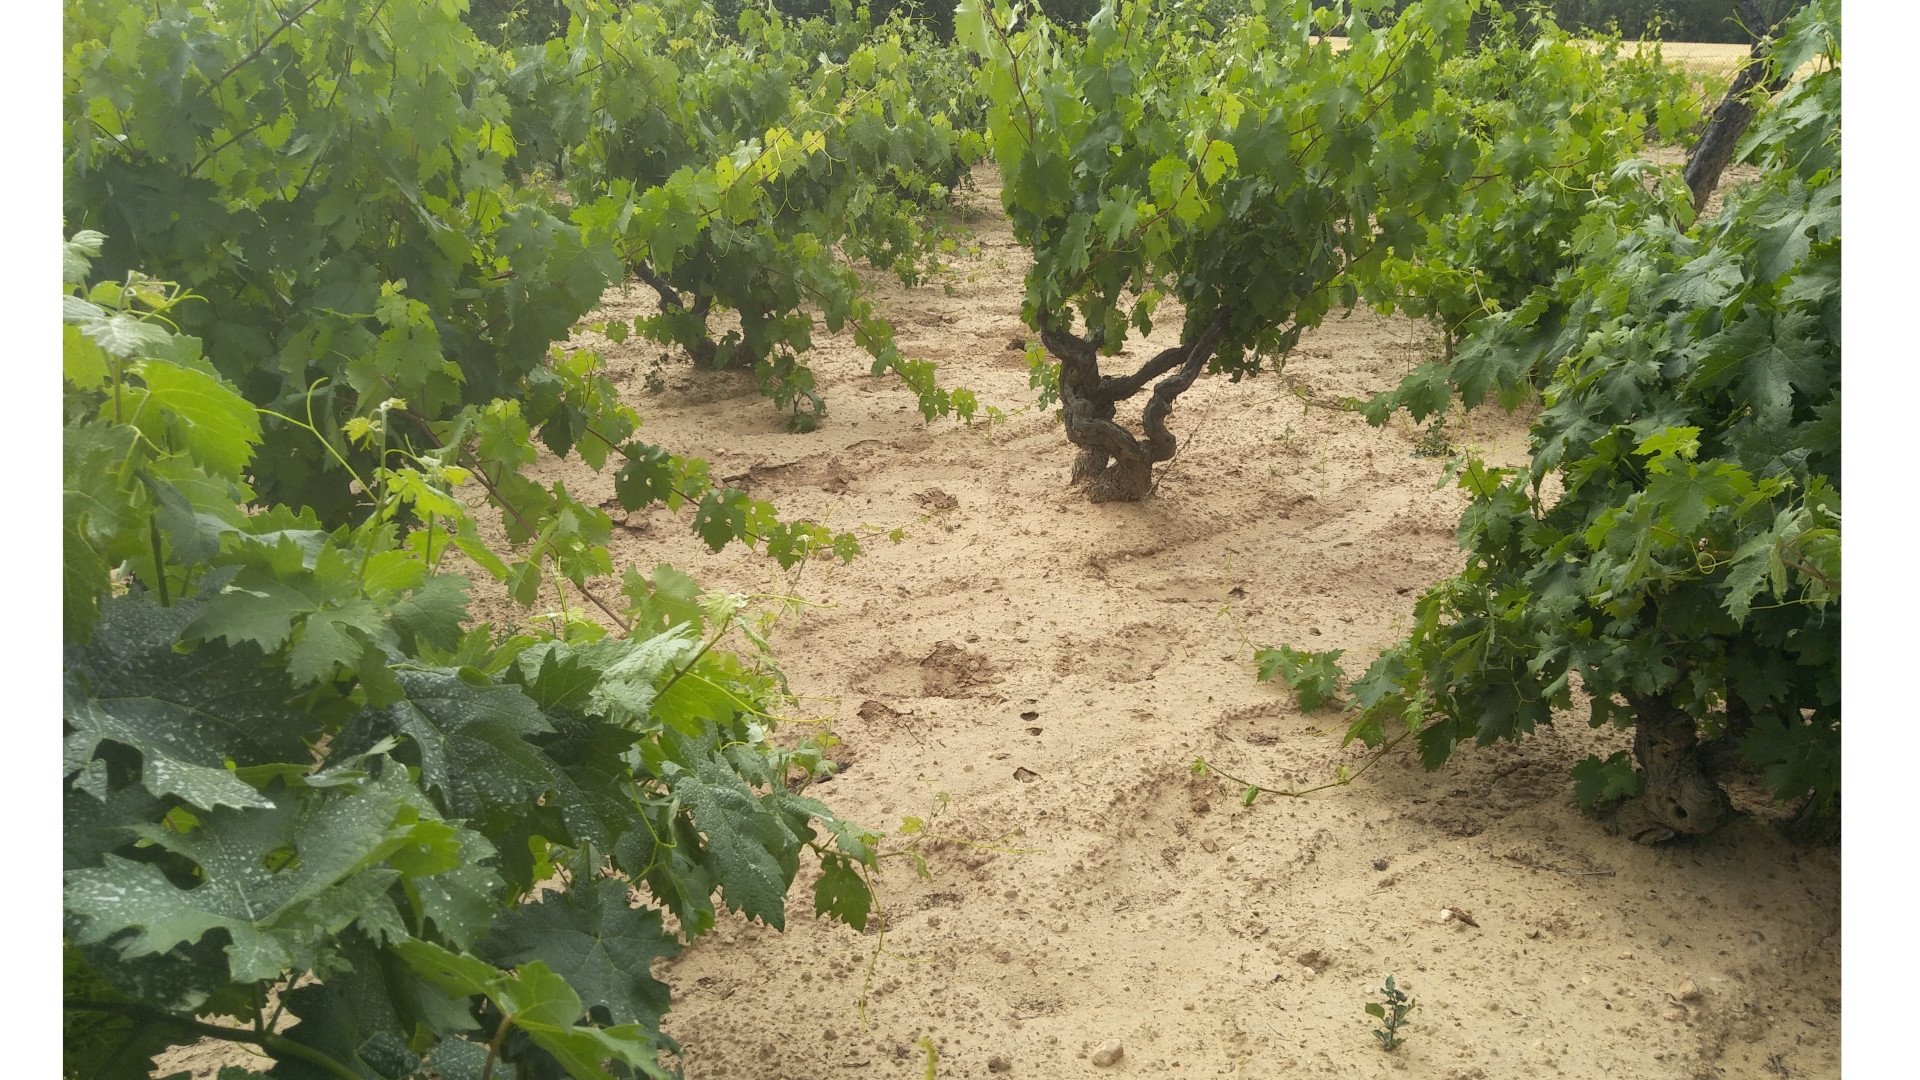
(1434, 443)
(1392, 1015)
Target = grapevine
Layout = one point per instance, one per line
(1253, 175)
(297, 780)
(1686, 576)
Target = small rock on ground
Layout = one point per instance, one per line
(1109, 1053)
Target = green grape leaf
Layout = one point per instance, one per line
(624, 692)
(219, 426)
(334, 637)
(186, 714)
(454, 1058)
(123, 334)
(103, 1044)
(456, 974)
(1596, 781)
(647, 478)
(82, 363)
(721, 516)
(665, 600)
(96, 823)
(691, 703)
(1796, 759)
(1686, 496)
(77, 255)
(1314, 676)
(253, 610)
(594, 938)
(841, 892)
(353, 1017)
(472, 741)
(274, 916)
(460, 901)
(555, 675)
(432, 615)
(752, 853)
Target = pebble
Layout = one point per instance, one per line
(1688, 990)
(1110, 1053)
(998, 1063)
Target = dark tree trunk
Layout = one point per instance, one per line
(704, 350)
(1721, 754)
(1677, 795)
(1735, 111)
(1115, 465)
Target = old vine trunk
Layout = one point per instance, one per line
(1114, 464)
(1677, 792)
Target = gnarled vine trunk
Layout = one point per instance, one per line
(1114, 464)
(704, 350)
(1677, 792)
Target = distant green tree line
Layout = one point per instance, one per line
(1668, 20)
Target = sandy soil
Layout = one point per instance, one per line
(1052, 668)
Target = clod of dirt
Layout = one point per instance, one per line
(1033, 731)
(950, 671)
(998, 1063)
(935, 499)
(1687, 990)
(1025, 775)
(1315, 961)
(1110, 1053)
(875, 712)
(1380, 864)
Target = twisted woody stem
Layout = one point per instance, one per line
(1116, 465)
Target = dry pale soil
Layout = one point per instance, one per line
(1051, 668)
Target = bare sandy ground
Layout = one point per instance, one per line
(1050, 668)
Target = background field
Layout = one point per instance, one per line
(1094, 650)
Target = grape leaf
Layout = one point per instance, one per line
(841, 892)
(352, 1018)
(472, 741)
(1596, 781)
(629, 671)
(334, 637)
(106, 1045)
(721, 516)
(1314, 676)
(432, 615)
(274, 918)
(219, 426)
(544, 1006)
(1796, 758)
(665, 600)
(598, 942)
(187, 715)
(752, 854)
